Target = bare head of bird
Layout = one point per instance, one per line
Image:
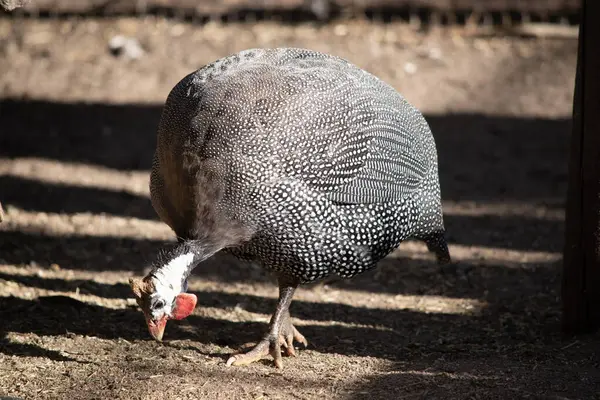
(161, 302)
(162, 293)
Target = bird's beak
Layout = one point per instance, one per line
(157, 327)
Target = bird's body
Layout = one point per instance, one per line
(298, 160)
(327, 167)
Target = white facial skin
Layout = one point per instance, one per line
(168, 284)
(161, 301)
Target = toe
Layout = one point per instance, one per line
(258, 352)
(276, 354)
(283, 341)
(289, 346)
(299, 337)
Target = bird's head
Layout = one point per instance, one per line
(162, 293)
(160, 303)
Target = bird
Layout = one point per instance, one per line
(294, 159)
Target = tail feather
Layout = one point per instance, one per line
(436, 243)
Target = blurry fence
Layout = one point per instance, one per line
(498, 12)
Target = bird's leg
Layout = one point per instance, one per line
(281, 331)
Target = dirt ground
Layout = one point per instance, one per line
(76, 143)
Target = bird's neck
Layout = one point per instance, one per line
(177, 265)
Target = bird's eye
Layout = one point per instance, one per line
(159, 304)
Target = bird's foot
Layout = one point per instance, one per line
(272, 344)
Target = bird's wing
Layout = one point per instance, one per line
(382, 162)
(365, 142)
(389, 173)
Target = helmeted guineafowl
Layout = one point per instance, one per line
(292, 158)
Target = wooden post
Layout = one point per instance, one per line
(581, 269)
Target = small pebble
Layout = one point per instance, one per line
(123, 46)
(410, 68)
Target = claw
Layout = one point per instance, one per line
(298, 337)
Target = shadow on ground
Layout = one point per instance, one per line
(32, 195)
(507, 374)
(94, 253)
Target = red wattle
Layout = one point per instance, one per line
(184, 305)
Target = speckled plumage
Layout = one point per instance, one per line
(298, 160)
